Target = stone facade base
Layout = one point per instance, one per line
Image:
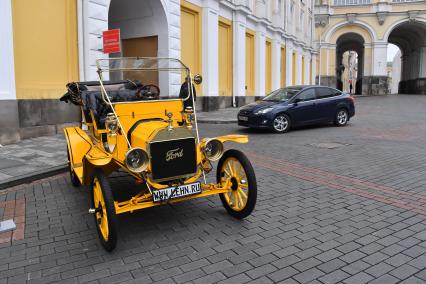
(375, 85)
(329, 81)
(416, 86)
(367, 85)
(216, 103)
(23, 119)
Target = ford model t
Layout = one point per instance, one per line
(139, 118)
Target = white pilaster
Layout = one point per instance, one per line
(7, 66)
(260, 39)
(380, 58)
(276, 62)
(314, 68)
(210, 48)
(289, 64)
(239, 54)
(298, 67)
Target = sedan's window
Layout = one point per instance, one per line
(281, 95)
(326, 93)
(307, 95)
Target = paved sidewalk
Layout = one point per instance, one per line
(32, 158)
(223, 116)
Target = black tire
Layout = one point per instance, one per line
(251, 180)
(281, 123)
(110, 242)
(341, 118)
(73, 177)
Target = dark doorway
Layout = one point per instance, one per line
(142, 47)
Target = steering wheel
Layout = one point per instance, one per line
(148, 92)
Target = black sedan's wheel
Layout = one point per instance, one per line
(74, 179)
(281, 123)
(105, 217)
(342, 117)
(235, 169)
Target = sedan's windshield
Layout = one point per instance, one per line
(281, 95)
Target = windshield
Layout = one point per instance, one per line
(281, 95)
(133, 79)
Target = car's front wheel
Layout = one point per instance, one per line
(341, 118)
(281, 123)
(236, 170)
(104, 210)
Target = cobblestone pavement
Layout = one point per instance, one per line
(334, 205)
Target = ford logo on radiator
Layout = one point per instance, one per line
(173, 154)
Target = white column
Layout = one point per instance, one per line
(380, 58)
(307, 69)
(276, 62)
(314, 68)
(7, 66)
(239, 54)
(260, 39)
(289, 64)
(298, 67)
(210, 48)
(95, 21)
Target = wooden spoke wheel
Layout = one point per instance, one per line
(236, 170)
(105, 217)
(74, 179)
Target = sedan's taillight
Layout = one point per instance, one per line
(351, 99)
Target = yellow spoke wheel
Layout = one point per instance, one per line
(105, 217)
(235, 171)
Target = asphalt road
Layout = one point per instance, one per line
(334, 205)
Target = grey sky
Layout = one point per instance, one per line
(392, 50)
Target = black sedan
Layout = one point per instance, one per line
(297, 106)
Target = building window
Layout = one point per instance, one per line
(351, 2)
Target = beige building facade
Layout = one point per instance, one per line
(243, 49)
(367, 27)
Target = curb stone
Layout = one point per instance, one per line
(27, 178)
(230, 121)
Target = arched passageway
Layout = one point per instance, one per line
(354, 43)
(144, 33)
(410, 37)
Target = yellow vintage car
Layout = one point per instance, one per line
(130, 125)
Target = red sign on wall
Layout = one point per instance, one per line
(111, 40)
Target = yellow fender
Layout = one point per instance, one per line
(232, 138)
(84, 156)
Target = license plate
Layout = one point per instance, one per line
(243, 118)
(160, 195)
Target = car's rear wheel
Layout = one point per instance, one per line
(74, 179)
(236, 170)
(341, 118)
(104, 210)
(281, 123)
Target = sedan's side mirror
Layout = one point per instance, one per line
(296, 100)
